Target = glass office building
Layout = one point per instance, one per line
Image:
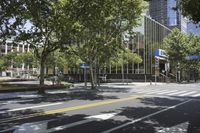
(164, 12)
(148, 36)
(171, 14)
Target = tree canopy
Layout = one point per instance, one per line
(101, 27)
(190, 9)
(53, 24)
(180, 46)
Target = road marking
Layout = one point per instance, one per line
(196, 95)
(167, 92)
(15, 101)
(175, 93)
(142, 118)
(152, 92)
(29, 96)
(41, 126)
(88, 119)
(185, 94)
(162, 91)
(31, 107)
(102, 116)
(91, 105)
(69, 125)
(146, 90)
(71, 108)
(57, 92)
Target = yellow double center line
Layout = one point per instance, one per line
(49, 112)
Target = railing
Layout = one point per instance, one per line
(165, 78)
(172, 75)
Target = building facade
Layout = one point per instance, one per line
(13, 70)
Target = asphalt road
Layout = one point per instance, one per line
(113, 108)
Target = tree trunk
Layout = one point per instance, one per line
(42, 68)
(92, 77)
(95, 73)
(98, 80)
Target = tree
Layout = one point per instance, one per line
(179, 46)
(190, 9)
(193, 65)
(124, 57)
(102, 24)
(49, 22)
(9, 59)
(176, 44)
(2, 65)
(54, 23)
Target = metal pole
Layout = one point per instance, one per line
(85, 77)
(155, 71)
(123, 72)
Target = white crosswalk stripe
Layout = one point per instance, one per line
(179, 93)
(186, 94)
(145, 91)
(167, 92)
(152, 92)
(196, 95)
(175, 93)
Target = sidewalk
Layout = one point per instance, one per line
(105, 87)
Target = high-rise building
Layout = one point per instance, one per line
(164, 12)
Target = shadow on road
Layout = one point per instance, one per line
(183, 119)
(70, 96)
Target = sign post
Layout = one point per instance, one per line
(159, 54)
(85, 66)
(85, 77)
(156, 67)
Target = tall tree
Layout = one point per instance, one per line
(193, 65)
(102, 24)
(176, 44)
(190, 8)
(44, 24)
(180, 46)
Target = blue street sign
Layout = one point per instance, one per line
(193, 57)
(160, 53)
(84, 65)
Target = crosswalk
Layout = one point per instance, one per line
(167, 92)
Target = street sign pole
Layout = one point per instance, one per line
(155, 70)
(85, 77)
(156, 67)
